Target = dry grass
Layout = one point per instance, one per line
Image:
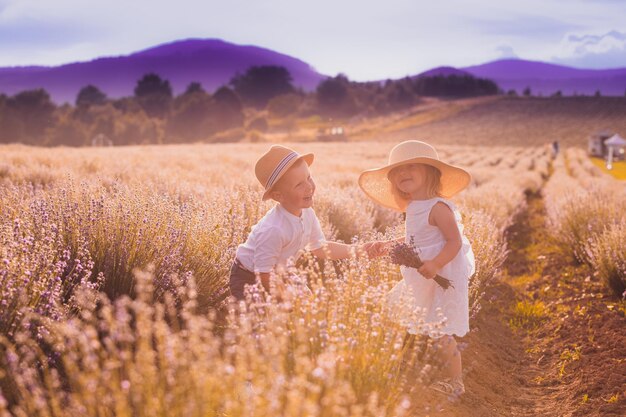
(504, 121)
(586, 216)
(618, 171)
(483, 121)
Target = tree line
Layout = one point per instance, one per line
(153, 114)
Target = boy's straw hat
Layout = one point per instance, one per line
(376, 185)
(273, 165)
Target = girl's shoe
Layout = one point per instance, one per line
(454, 388)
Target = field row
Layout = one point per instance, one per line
(587, 216)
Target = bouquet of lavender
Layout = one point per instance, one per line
(405, 254)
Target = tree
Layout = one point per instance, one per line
(90, 95)
(260, 84)
(68, 131)
(454, 86)
(228, 109)
(191, 117)
(333, 96)
(400, 96)
(10, 129)
(154, 95)
(527, 92)
(104, 121)
(28, 114)
(284, 105)
(194, 87)
(598, 94)
(260, 124)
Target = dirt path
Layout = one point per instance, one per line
(560, 352)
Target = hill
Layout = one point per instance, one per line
(491, 121)
(546, 79)
(443, 71)
(211, 62)
(518, 121)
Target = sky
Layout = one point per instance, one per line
(362, 39)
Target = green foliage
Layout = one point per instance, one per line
(528, 315)
(154, 95)
(68, 131)
(90, 95)
(26, 116)
(194, 87)
(284, 105)
(153, 115)
(191, 117)
(568, 356)
(228, 110)
(259, 84)
(399, 95)
(454, 86)
(260, 124)
(334, 97)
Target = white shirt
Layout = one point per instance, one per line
(278, 236)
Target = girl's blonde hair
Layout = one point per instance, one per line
(433, 185)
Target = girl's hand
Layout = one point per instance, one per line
(429, 269)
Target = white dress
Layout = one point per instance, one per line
(423, 306)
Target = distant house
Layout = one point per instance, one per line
(101, 140)
(332, 134)
(617, 149)
(596, 146)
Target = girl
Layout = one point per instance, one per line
(416, 182)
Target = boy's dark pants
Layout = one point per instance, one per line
(239, 278)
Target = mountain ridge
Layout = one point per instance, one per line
(213, 62)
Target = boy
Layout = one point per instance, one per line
(286, 229)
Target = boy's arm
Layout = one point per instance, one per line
(382, 247)
(388, 243)
(334, 250)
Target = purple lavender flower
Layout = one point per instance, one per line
(405, 254)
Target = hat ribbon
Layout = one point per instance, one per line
(279, 168)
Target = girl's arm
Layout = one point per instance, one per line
(442, 216)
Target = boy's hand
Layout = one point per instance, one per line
(429, 269)
(375, 249)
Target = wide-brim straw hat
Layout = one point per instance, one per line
(270, 168)
(376, 184)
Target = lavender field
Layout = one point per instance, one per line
(114, 265)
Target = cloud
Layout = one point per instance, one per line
(506, 51)
(33, 31)
(593, 51)
(526, 26)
